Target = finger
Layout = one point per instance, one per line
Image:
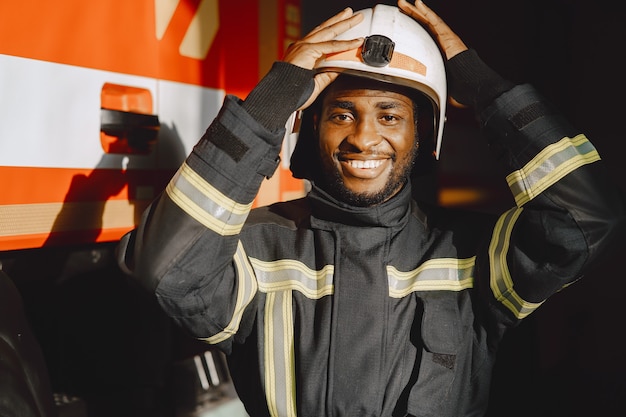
(306, 54)
(330, 31)
(423, 14)
(412, 11)
(344, 14)
(449, 41)
(306, 51)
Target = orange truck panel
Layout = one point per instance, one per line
(102, 101)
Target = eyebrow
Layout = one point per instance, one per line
(341, 104)
(349, 105)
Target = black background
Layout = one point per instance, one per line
(569, 357)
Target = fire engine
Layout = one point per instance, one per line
(101, 101)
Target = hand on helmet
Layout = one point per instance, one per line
(449, 42)
(319, 42)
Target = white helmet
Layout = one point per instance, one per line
(398, 50)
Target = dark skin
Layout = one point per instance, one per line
(367, 141)
(319, 42)
(367, 135)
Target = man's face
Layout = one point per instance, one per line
(367, 140)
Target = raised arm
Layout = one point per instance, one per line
(186, 248)
(568, 210)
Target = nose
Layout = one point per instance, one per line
(365, 134)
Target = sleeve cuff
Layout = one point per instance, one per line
(472, 82)
(285, 88)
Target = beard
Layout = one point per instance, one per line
(333, 184)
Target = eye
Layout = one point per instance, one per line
(341, 118)
(389, 119)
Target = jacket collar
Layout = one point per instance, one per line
(328, 212)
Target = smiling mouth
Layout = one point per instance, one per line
(364, 164)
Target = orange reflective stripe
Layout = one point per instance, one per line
(398, 60)
(45, 206)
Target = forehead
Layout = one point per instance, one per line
(353, 99)
(349, 88)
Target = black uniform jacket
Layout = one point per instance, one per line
(331, 310)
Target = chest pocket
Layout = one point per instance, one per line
(444, 335)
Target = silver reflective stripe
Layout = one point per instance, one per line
(279, 279)
(246, 289)
(280, 386)
(289, 274)
(549, 166)
(500, 279)
(448, 274)
(206, 204)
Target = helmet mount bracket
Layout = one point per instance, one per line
(377, 50)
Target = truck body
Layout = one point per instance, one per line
(101, 102)
(76, 79)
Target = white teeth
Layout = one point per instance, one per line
(365, 164)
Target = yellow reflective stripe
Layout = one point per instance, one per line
(270, 372)
(500, 279)
(246, 289)
(279, 279)
(205, 203)
(289, 274)
(279, 359)
(549, 166)
(448, 274)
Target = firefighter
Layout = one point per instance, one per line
(358, 299)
